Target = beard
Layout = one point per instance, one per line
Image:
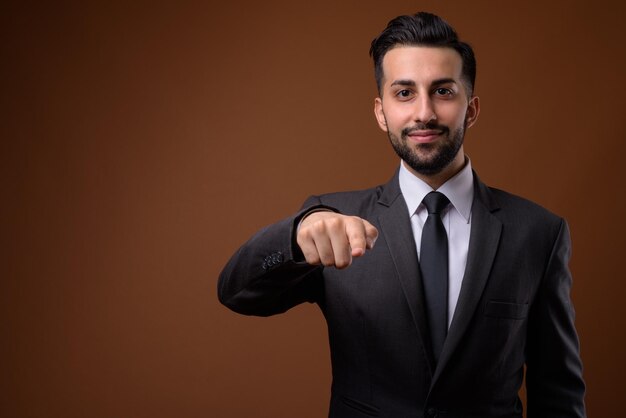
(428, 159)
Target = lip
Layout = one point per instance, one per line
(424, 136)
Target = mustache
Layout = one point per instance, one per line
(424, 126)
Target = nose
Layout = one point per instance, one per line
(424, 110)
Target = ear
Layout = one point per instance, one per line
(473, 109)
(380, 115)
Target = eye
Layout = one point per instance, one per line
(404, 94)
(442, 91)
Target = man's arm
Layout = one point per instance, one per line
(554, 382)
(281, 265)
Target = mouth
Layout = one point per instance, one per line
(423, 136)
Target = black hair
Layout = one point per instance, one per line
(422, 29)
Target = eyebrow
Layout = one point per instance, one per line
(441, 81)
(436, 82)
(403, 83)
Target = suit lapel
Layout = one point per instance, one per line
(484, 239)
(396, 229)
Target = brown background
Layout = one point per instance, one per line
(142, 143)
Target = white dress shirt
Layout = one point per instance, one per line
(456, 219)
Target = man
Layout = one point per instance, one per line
(435, 302)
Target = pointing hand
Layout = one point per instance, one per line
(333, 239)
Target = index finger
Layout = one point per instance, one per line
(371, 234)
(357, 236)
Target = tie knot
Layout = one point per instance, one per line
(435, 202)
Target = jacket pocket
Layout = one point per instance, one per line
(363, 407)
(510, 310)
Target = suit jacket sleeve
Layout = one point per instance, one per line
(268, 274)
(554, 383)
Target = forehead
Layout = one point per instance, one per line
(421, 64)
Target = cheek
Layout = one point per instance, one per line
(397, 116)
(453, 115)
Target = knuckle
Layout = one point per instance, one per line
(317, 227)
(344, 262)
(334, 223)
(312, 258)
(341, 265)
(328, 262)
(314, 261)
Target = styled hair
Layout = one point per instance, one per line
(422, 29)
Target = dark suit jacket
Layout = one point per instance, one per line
(514, 310)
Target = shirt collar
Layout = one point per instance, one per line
(458, 189)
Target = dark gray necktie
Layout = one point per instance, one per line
(434, 268)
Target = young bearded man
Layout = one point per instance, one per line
(438, 290)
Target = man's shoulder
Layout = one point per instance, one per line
(521, 209)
